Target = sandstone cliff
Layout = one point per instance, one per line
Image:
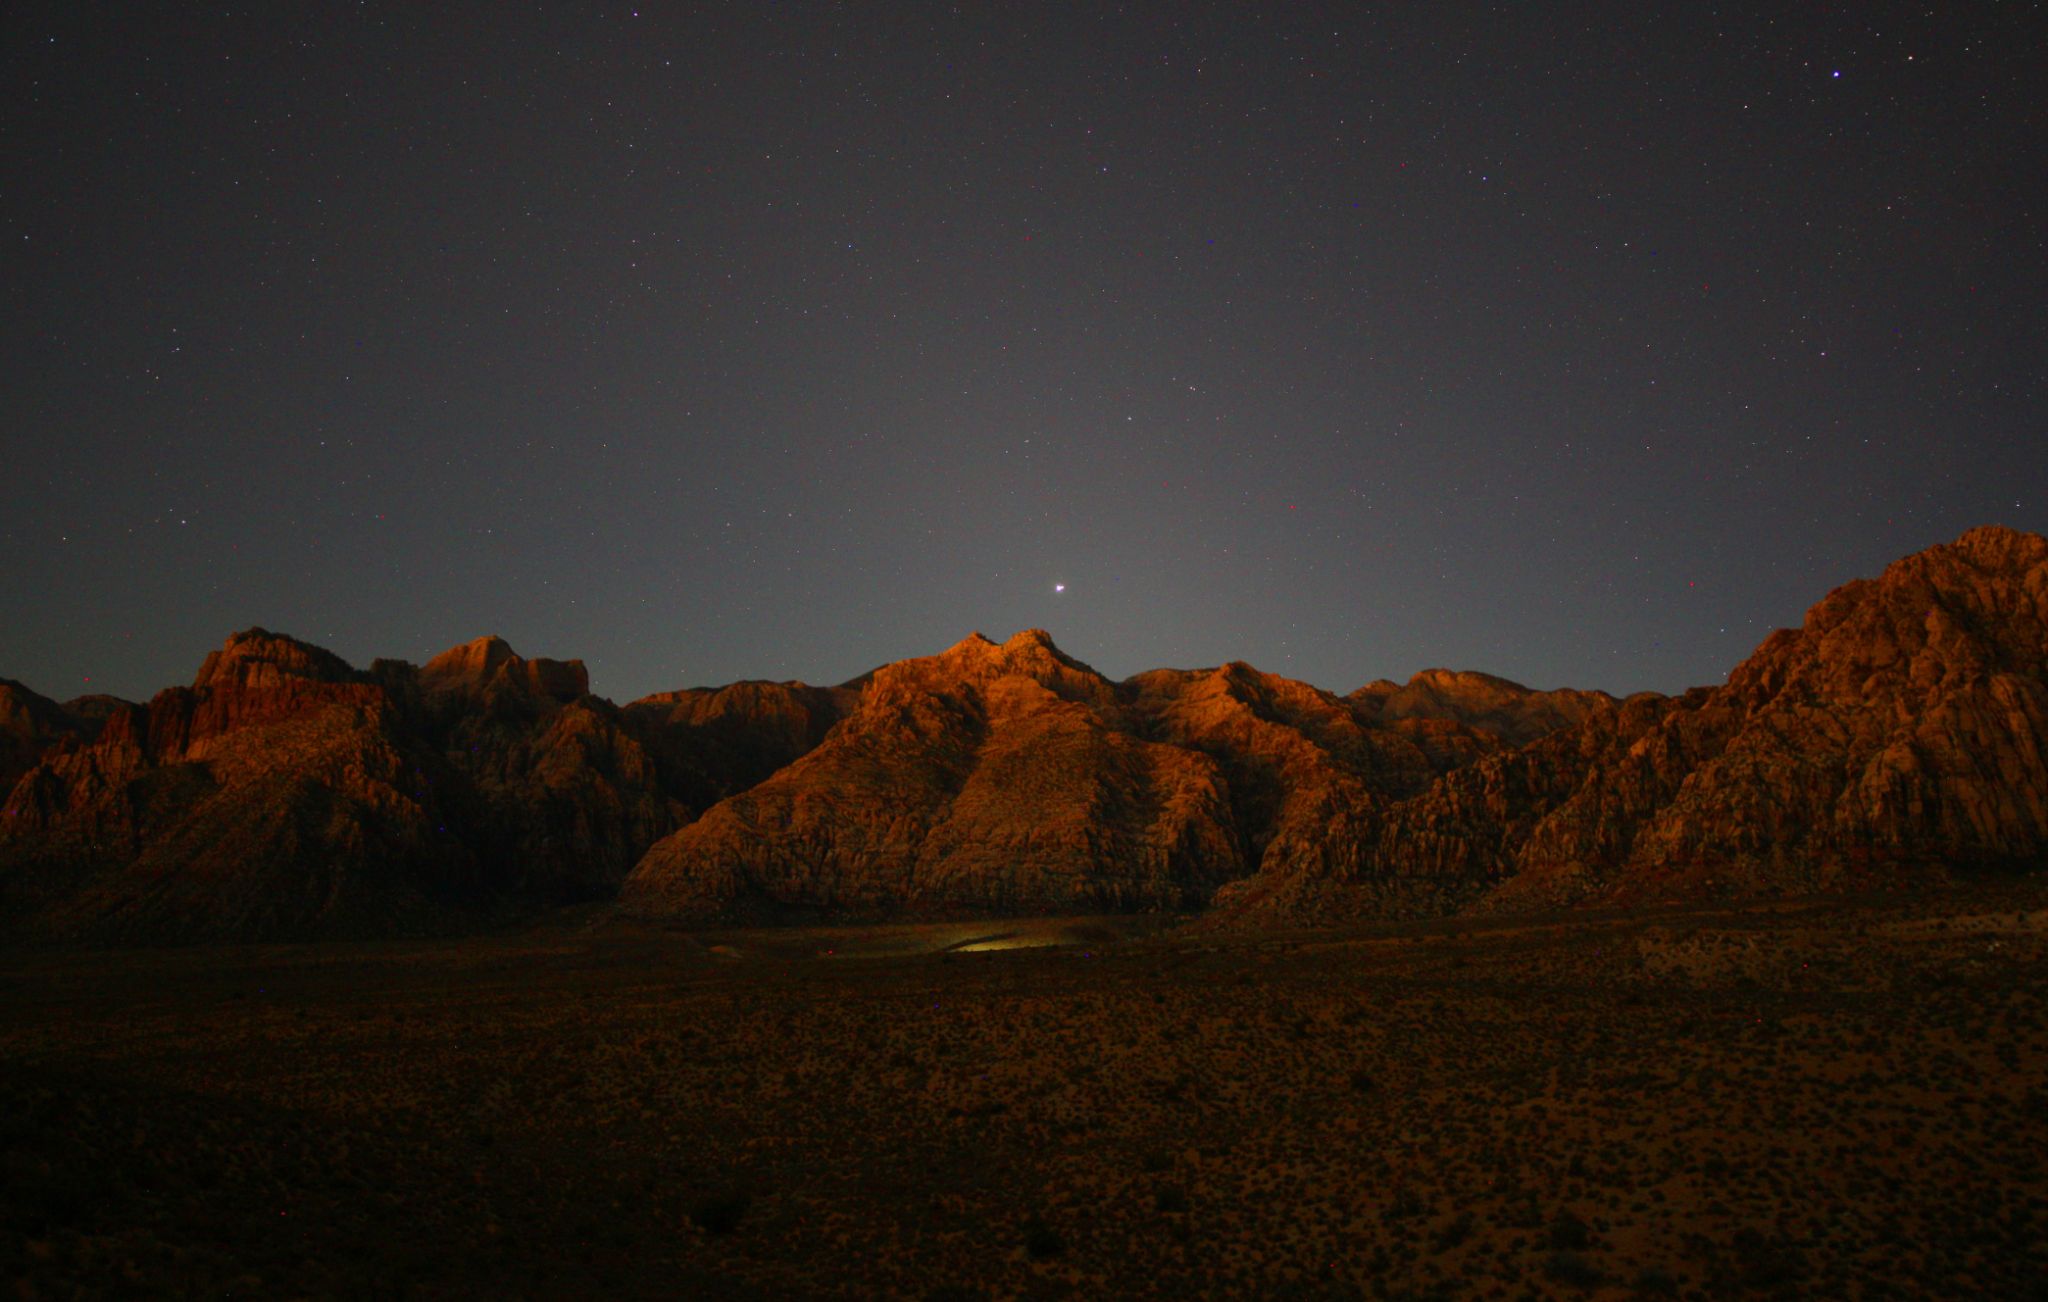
(275, 796)
(1897, 735)
(1900, 734)
(568, 794)
(1497, 706)
(31, 725)
(286, 794)
(985, 779)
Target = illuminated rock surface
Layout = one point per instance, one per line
(1900, 734)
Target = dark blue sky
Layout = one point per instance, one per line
(1581, 344)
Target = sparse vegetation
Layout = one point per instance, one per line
(620, 1115)
(1569, 1233)
(1042, 1241)
(721, 1212)
(1573, 1269)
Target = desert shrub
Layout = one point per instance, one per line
(721, 1213)
(52, 1195)
(1459, 1230)
(1041, 1241)
(1155, 1160)
(1573, 1269)
(1171, 1198)
(1362, 1081)
(1569, 1234)
(1655, 1281)
(1766, 1262)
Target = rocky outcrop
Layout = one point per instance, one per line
(990, 778)
(1901, 730)
(1898, 735)
(569, 792)
(287, 794)
(487, 669)
(276, 796)
(712, 742)
(31, 725)
(1515, 714)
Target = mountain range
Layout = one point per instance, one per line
(1899, 735)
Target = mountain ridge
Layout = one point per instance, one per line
(1896, 733)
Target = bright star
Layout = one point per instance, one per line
(1059, 587)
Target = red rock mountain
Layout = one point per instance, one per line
(1493, 705)
(275, 796)
(287, 794)
(985, 779)
(1899, 733)
(31, 725)
(1013, 779)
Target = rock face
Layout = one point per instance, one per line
(712, 742)
(286, 794)
(1899, 733)
(986, 779)
(569, 796)
(1503, 709)
(275, 796)
(1903, 727)
(31, 725)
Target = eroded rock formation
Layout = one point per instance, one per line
(987, 778)
(1900, 733)
(287, 794)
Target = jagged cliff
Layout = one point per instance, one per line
(275, 796)
(1898, 734)
(988, 778)
(31, 725)
(285, 793)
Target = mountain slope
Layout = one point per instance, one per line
(987, 778)
(1897, 735)
(275, 796)
(286, 794)
(1900, 734)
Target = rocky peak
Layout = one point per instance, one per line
(30, 724)
(474, 661)
(95, 708)
(1489, 703)
(973, 643)
(974, 662)
(19, 704)
(1930, 624)
(489, 664)
(1995, 547)
(258, 659)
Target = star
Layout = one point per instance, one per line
(1059, 587)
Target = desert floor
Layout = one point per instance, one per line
(1806, 1099)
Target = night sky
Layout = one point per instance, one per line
(1582, 344)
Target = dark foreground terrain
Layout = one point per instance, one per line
(1804, 1100)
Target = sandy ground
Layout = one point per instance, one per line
(1809, 1100)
